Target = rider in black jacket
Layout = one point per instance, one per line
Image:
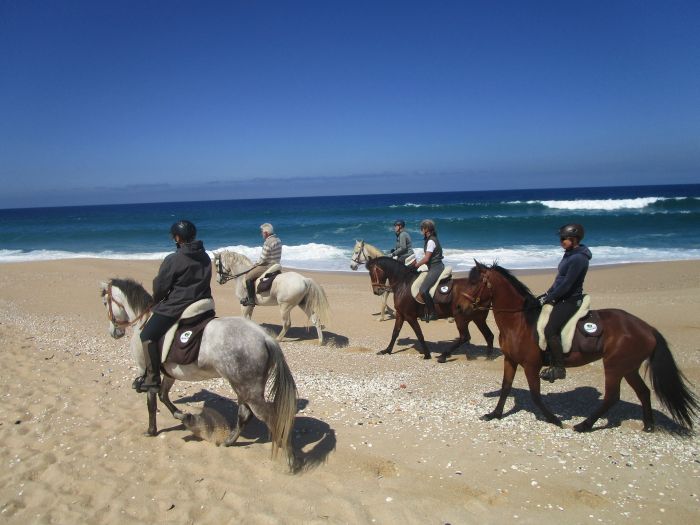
(184, 278)
(566, 294)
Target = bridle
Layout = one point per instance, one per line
(224, 275)
(379, 287)
(110, 313)
(478, 303)
(360, 253)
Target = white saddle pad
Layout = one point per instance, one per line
(567, 333)
(196, 308)
(415, 287)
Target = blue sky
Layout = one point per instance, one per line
(141, 101)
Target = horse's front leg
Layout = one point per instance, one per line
(509, 369)
(532, 372)
(164, 397)
(247, 311)
(464, 337)
(152, 403)
(385, 307)
(413, 321)
(397, 328)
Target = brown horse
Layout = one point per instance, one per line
(626, 342)
(408, 309)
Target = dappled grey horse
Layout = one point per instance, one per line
(232, 347)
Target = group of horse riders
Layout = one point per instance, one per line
(184, 277)
(565, 294)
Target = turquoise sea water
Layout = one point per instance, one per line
(516, 227)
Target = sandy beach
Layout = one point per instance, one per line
(384, 439)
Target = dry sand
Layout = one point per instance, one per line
(385, 439)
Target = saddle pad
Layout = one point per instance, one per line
(443, 293)
(265, 282)
(415, 287)
(567, 333)
(185, 347)
(193, 310)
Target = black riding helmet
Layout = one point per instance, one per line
(400, 222)
(185, 229)
(571, 230)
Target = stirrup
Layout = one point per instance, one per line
(136, 385)
(429, 317)
(553, 373)
(246, 301)
(144, 387)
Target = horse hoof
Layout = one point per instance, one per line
(442, 359)
(489, 417)
(384, 352)
(427, 356)
(583, 427)
(179, 415)
(648, 428)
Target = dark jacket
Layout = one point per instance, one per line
(571, 274)
(404, 246)
(184, 277)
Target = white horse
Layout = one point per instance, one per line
(289, 289)
(231, 347)
(361, 253)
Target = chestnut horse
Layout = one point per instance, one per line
(626, 342)
(408, 309)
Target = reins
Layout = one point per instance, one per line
(476, 301)
(224, 275)
(110, 313)
(360, 252)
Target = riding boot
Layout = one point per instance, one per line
(429, 308)
(151, 380)
(556, 370)
(250, 288)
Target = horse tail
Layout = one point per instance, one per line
(283, 398)
(670, 385)
(316, 301)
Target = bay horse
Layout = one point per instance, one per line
(361, 253)
(231, 347)
(289, 289)
(627, 342)
(400, 278)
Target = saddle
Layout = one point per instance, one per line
(264, 282)
(180, 344)
(443, 282)
(582, 331)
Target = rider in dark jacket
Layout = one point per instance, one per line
(404, 247)
(565, 294)
(184, 278)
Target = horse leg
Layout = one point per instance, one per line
(244, 415)
(413, 321)
(398, 323)
(152, 403)
(315, 319)
(166, 384)
(285, 310)
(385, 307)
(509, 369)
(247, 311)
(532, 373)
(464, 337)
(637, 383)
(480, 322)
(612, 396)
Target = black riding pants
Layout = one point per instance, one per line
(562, 312)
(156, 327)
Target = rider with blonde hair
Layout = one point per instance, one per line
(271, 254)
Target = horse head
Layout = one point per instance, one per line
(358, 255)
(127, 303)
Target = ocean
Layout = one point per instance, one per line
(516, 228)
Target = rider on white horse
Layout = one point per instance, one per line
(271, 254)
(184, 277)
(403, 249)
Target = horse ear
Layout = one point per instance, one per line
(479, 265)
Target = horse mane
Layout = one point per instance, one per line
(392, 267)
(376, 252)
(531, 306)
(231, 259)
(139, 299)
